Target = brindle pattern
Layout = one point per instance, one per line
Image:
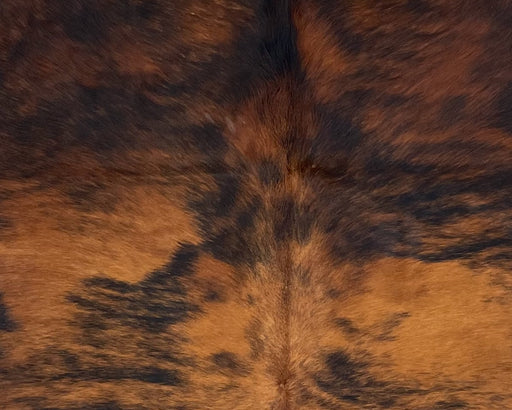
(234, 204)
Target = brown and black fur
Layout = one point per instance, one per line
(255, 204)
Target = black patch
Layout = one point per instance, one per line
(504, 109)
(216, 203)
(58, 364)
(437, 196)
(292, 221)
(208, 138)
(90, 197)
(105, 405)
(279, 42)
(351, 41)
(389, 325)
(232, 240)
(355, 100)
(337, 141)
(229, 186)
(338, 133)
(231, 246)
(344, 367)
(104, 114)
(181, 263)
(346, 325)
(245, 220)
(383, 167)
(418, 6)
(213, 295)
(128, 327)
(154, 303)
(269, 173)
(452, 109)
(157, 376)
(364, 241)
(225, 359)
(49, 120)
(4, 223)
(84, 21)
(334, 293)
(20, 49)
(110, 284)
(350, 381)
(153, 375)
(6, 323)
(436, 201)
(439, 214)
(347, 378)
(229, 361)
(468, 249)
(106, 119)
(146, 9)
(90, 21)
(232, 78)
(394, 100)
(98, 118)
(110, 118)
(455, 404)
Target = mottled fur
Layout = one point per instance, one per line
(255, 204)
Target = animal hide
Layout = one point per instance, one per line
(255, 204)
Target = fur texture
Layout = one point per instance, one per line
(255, 204)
